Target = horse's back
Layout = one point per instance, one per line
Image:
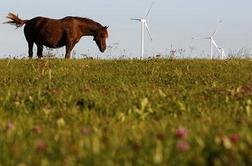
(45, 31)
(41, 22)
(54, 33)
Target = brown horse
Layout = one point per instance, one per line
(55, 33)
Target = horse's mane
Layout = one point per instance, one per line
(88, 20)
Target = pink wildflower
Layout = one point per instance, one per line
(234, 138)
(181, 133)
(37, 129)
(10, 126)
(41, 146)
(86, 131)
(183, 146)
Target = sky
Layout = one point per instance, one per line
(171, 22)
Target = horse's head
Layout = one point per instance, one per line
(100, 38)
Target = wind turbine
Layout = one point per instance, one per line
(223, 54)
(214, 44)
(143, 26)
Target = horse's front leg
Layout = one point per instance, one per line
(70, 45)
(69, 48)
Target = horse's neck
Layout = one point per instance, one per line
(88, 29)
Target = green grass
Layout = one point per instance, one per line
(152, 112)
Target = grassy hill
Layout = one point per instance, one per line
(151, 112)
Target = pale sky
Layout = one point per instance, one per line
(171, 22)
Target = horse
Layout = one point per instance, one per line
(56, 33)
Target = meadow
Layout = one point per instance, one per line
(125, 112)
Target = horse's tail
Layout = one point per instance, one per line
(15, 20)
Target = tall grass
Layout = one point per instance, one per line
(125, 112)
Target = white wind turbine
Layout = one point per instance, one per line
(143, 26)
(213, 43)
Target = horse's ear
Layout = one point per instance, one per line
(106, 27)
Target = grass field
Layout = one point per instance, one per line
(104, 112)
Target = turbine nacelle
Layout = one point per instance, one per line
(144, 24)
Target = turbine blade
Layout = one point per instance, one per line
(136, 19)
(149, 10)
(146, 25)
(198, 38)
(214, 32)
(217, 28)
(216, 46)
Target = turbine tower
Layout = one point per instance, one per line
(223, 54)
(214, 44)
(144, 25)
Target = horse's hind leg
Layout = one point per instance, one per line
(40, 51)
(30, 49)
